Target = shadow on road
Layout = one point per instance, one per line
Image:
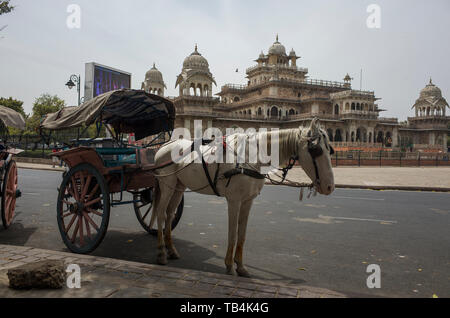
(16, 234)
(142, 247)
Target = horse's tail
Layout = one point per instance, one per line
(156, 197)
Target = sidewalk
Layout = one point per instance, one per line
(400, 178)
(105, 277)
(395, 178)
(39, 166)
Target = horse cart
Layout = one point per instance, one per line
(8, 167)
(99, 173)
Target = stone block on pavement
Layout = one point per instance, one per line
(42, 274)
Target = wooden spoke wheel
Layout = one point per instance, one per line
(143, 209)
(83, 208)
(9, 193)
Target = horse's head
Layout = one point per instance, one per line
(315, 157)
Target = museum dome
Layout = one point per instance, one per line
(154, 75)
(277, 48)
(195, 61)
(431, 90)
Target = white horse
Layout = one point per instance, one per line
(311, 147)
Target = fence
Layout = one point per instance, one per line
(385, 158)
(36, 146)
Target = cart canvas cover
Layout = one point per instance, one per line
(11, 118)
(126, 110)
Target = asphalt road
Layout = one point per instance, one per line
(322, 241)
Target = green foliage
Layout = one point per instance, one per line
(15, 104)
(5, 7)
(42, 106)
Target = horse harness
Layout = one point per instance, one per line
(314, 149)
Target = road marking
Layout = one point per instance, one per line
(355, 219)
(357, 198)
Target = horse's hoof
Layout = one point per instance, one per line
(162, 259)
(230, 271)
(174, 255)
(241, 271)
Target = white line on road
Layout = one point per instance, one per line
(355, 219)
(357, 198)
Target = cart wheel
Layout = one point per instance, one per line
(143, 210)
(9, 194)
(83, 208)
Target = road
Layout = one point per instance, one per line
(322, 241)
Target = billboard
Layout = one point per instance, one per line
(100, 79)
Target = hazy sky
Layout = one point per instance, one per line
(38, 52)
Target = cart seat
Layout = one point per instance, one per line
(146, 158)
(113, 157)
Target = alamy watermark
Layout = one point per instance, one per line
(374, 279)
(74, 276)
(247, 146)
(374, 19)
(73, 20)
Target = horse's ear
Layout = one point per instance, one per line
(315, 126)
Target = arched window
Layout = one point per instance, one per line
(274, 112)
(380, 137)
(338, 136)
(336, 109)
(291, 111)
(353, 106)
(236, 99)
(259, 111)
(330, 134)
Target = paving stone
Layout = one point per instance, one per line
(167, 280)
(249, 286)
(6, 255)
(209, 280)
(133, 292)
(308, 294)
(12, 264)
(284, 291)
(30, 252)
(267, 289)
(242, 293)
(105, 277)
(30, 259)
(55, 257)
(222, 290)
(16, 257)
(262, 295)
(4, 261)
(193, 277)
(204, 287)
(147, 280)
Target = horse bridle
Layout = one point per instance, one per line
(315, 151)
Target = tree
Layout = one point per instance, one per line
(15, 104)
(5, 7)
(42, 106)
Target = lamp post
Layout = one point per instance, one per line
(75, 80)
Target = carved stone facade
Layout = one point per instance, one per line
(279, 94)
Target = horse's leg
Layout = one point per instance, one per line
(165, 193)
(242, 228)
(171, 210)
(233, 212)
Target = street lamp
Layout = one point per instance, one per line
(75, 80)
